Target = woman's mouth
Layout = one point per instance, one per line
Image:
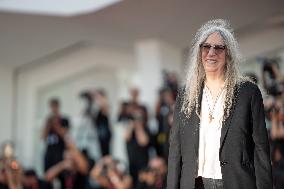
(211, 61)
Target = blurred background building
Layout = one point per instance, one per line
(58, 49)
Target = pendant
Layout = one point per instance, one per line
(210, 118)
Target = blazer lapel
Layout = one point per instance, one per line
(224, 130)
(196, 121)
(227, 122)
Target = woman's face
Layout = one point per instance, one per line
(213, 54)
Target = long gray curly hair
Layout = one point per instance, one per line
(196, 74)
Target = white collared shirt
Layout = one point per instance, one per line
(209, 136)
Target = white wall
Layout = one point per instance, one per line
(259, 43)
(6, 103)
(172, 59)
(65, 77)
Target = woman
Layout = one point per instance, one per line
(219, 139)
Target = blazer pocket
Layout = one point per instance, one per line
(249, 167)
(246, 162)
(246, 153)
(244, 158)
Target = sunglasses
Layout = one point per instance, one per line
(218, 49)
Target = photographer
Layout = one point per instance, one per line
(54, 132)
(102, 122)
(95, 123)
(154, 176)
(137, 140)
(72, 170)
(164, 109)
(107, 173)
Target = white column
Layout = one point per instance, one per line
(153, 56)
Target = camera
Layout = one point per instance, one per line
(138, 117)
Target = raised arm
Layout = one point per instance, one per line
(55, 170)
(80, 161)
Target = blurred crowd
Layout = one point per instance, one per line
(273, 83)
(68, 166)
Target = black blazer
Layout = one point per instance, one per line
(244, 147)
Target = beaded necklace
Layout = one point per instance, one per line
(214, 102)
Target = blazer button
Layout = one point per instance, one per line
(223, 163)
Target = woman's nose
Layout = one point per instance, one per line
(212, 52)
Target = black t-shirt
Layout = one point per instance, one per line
(54, 142)
(138, 154)
(102, 124)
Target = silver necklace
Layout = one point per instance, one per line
(214, 102)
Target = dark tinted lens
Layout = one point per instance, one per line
(205, 47)
(219, 48)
